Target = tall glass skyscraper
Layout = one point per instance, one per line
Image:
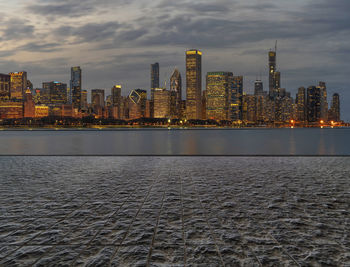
(18, 85)
(300, 102)
(75, 87)
(235, 99)
(154, 78)
(176, 94)
(193, 84)
(313, 104)
(219, 84)
(335, 108)
(272, 70)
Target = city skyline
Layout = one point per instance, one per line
(233, 36)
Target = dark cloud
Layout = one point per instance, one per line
(40, 47)
(68, 8)
(16, 29)
(90, 32)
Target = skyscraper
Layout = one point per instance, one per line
(277, 82)
(313, 104)
(116, 92)
(134, 103)
(143, 94)
(272, 70)
(335, 108)
(249, 109)
(84, 103)
(301, 105)
(57, 92)
(176, 94)
(154, 78)
(324, 103)
(5, 85)
(18, 85)
(75, 87)
(258, 87)
(161, 103)
(235, 99)
(218, 87)
(193, 84)
(98, 98)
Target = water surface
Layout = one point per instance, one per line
(177, 142)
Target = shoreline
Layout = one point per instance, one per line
(160, 127)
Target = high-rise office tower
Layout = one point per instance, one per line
(258, 87)
(334, 113)
(161, 103)
(5, 85)
(18, 85)
(98, 98)
(219, 84)
(116, 93)
(277, 82)
(272, 70)
(193, 84)
(235, 99)
(313, 104)
(75, 87)
(324, 103)
(57, 92)
(176, 94)
(154, 78)
(249, 108)
(143, 94)
(301, 105)
(134, 105)
(84, 103)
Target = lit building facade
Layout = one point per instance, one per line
(28, 105)
(249, 109)
(18, 85)
(84, 97)
(41, 96)
(57, 92)
(193, 84)
(272, 70)
(334, 112)
(41, 111)
(75, 87)
(313, 104)
(11, 110)
(134, 105)
(5, 85)
(324, 103)
(176, 94)
(143, 99)
(235, 99)
(98, 98)
(301, 105)
(258, 88)
(154, 78)
(219, 84)
(161, 103)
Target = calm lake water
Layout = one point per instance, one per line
(177, 142)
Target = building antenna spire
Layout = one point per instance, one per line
(276, 47)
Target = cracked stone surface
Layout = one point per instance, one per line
(174, 211)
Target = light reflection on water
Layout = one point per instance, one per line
(177, 142)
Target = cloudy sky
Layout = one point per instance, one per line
(115, 41)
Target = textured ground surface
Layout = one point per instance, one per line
(161, 211)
